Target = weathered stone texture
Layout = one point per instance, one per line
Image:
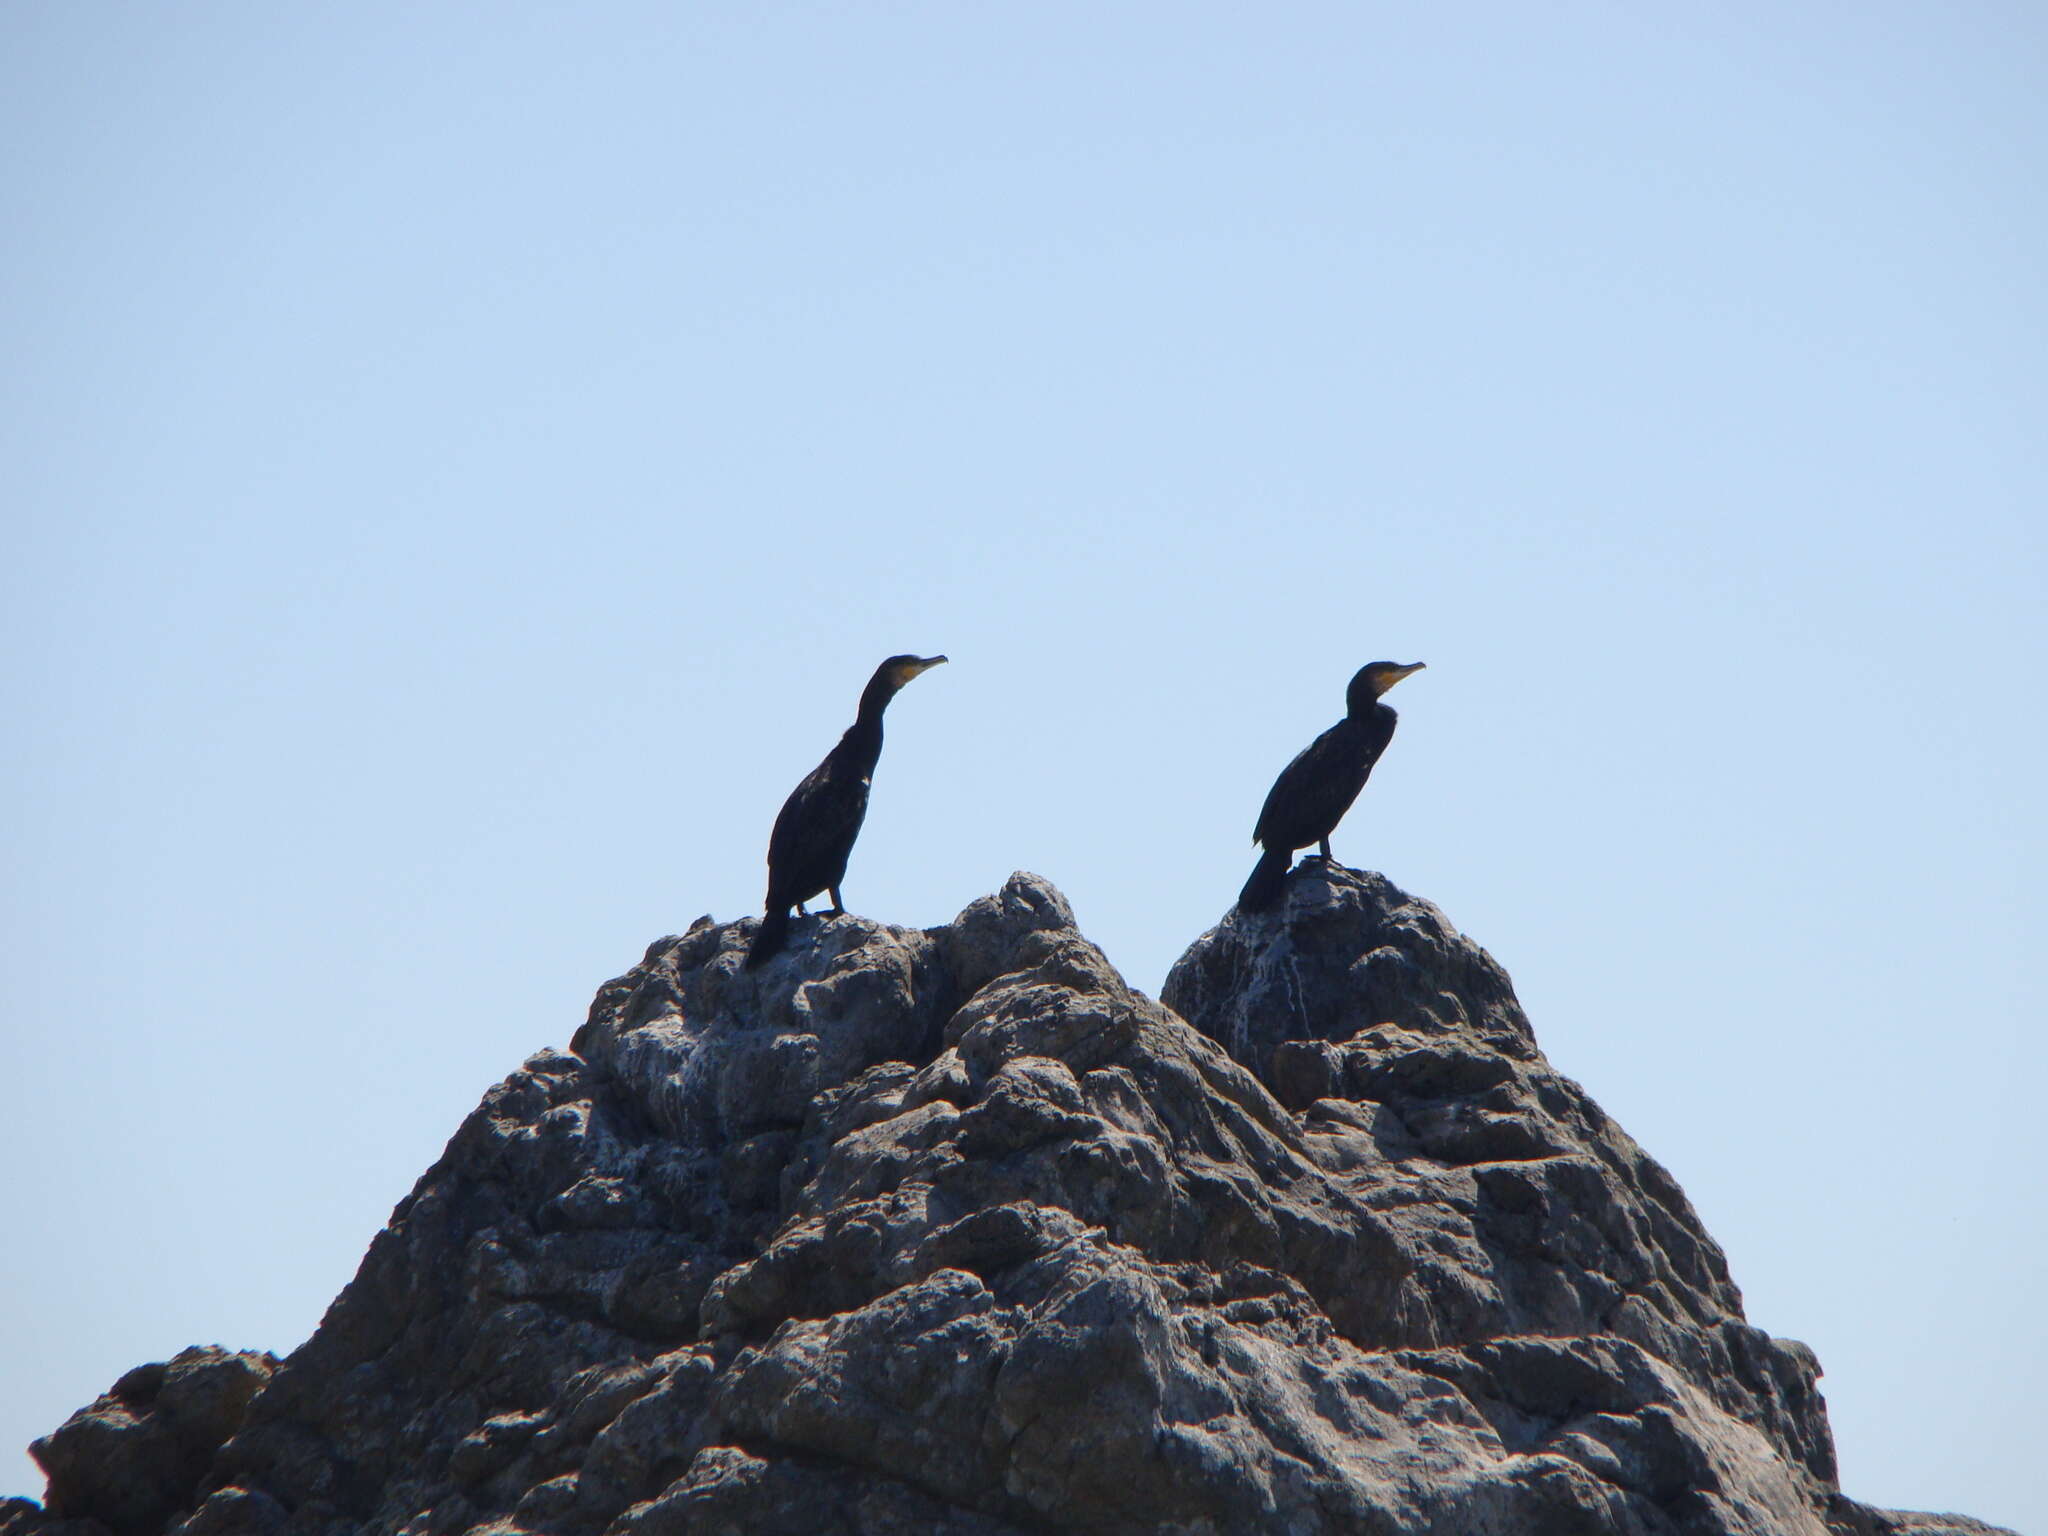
(953, 1232)
(135, 1459)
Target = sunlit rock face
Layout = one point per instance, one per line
(951, 1231)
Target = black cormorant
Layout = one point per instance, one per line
(815, 829)
(1315, 790)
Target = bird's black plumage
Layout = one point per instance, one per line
(1315, 790)
(814, 831)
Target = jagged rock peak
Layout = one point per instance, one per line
(1348, 951)
(951, 1231)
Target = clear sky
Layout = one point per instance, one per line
(460, 463)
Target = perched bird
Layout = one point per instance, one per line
(815, 829)
(1315, 790)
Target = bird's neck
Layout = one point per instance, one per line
(873, 700)
(1368, 711)
(862, 743)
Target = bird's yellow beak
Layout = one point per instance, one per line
(1395, 674)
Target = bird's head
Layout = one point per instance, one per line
(1372, 681)
(898, 670)
(892, 675)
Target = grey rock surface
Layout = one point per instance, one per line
(134, 1459)
(952, 1231)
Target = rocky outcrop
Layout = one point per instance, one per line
(952, 1231)
(135, 1460)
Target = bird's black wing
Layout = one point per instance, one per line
(1315, 790)
(815, 830)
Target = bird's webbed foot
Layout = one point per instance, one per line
(838, 906)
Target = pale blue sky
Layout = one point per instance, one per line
(461, 463)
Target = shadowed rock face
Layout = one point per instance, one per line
(951, 1231)
(135, 1460)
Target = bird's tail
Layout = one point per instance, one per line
(769, 937)
(1262, 890)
